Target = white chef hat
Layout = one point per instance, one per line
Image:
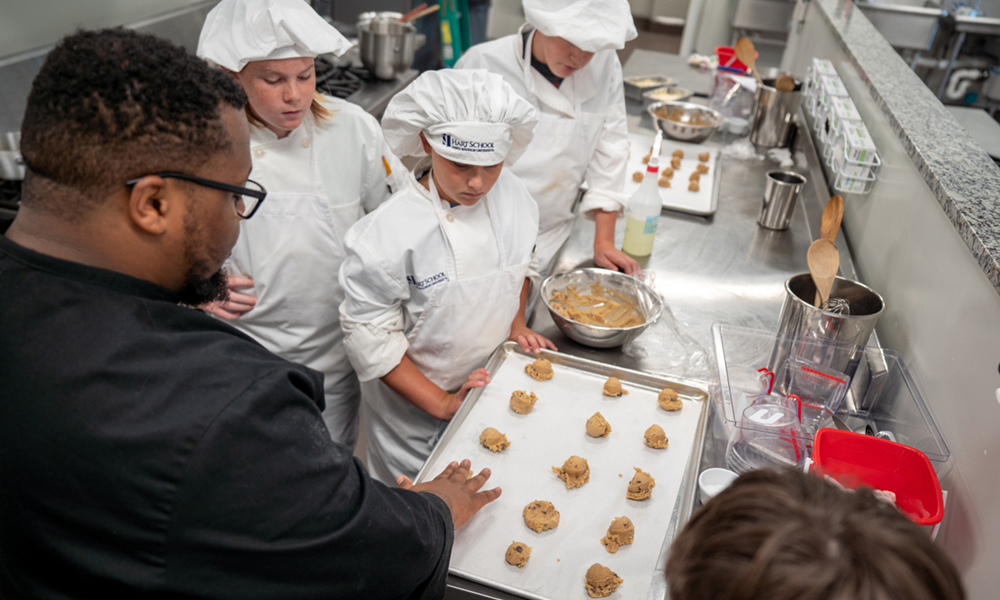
(469, 116)
(240, 31)
(590, 25)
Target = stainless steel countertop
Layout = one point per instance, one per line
(723, 268)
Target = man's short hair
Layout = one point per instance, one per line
(114, 104)
(785, 535)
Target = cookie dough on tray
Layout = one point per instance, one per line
(597, 426)
(641, 486)
(518, 553)
(540, 515)
(494, 440)
(656, 438)
(541, 369)
(601, 581)
(620, 533)
(575, 472)
(669, 400)
(613, 387)
(522, 402)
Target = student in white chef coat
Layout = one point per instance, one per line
(439, 275)
(324, 164)
(563, 61)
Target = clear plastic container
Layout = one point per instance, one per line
(881, 398)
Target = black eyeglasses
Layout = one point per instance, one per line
(247, 200)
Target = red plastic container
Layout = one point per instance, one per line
(856, 460)
(728, 60)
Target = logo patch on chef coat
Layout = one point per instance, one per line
(423, 284)
(451, 141)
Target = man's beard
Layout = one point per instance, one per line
(199, 289)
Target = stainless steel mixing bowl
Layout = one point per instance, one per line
(681, 127)
(645, 298)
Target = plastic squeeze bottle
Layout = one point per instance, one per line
(644, 208)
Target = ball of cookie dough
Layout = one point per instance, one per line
(597, 426)
(669, 400)
(695, 176)
(667, 172)
(540, 515)
(613, 387)
(637, 176)
(620, 533)
(675, 162)
(493, 439)
(575, 472)
(645, 159)
(678, 153)
(664, 182)
(655, 438)
(702, 168)
(601, 581)
(693, 186)
(518, 553)
(703, 157)
(641, 486)
(522, 402)
(541, 369)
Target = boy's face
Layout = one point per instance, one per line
(562, 57)
(459, 183)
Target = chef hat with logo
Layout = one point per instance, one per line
(469, 116)
(590, 25)
(237, 32)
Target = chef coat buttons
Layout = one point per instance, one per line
(450, 217)
(305, 142)
(258, 153)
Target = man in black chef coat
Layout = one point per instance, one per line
(147, 449)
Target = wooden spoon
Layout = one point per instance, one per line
(745, 52)
(785, 83)
(824, 261)
(832, 215)
(413, 15)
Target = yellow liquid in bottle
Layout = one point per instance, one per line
(639, 235)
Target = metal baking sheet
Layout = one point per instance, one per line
(546, 437)
(678, 197)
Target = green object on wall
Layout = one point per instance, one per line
(454, 30)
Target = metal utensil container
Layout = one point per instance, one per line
(684, 121)
(774, 112)
(386, 46)
(781, 194)
(648, 302)
(800, 319)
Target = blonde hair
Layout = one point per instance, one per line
(319, 111)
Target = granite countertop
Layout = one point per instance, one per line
(961, 175)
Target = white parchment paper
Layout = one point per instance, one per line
(546, 437)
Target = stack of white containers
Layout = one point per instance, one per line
(840, 132)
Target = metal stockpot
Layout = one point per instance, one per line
(386, 46)
(11, 163)
(848, 334)
(773, 114)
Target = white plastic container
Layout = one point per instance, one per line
(643, 215)
(842, 111)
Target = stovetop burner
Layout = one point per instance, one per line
(339, 81)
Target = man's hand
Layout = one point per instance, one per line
(460, 493)
(607, 256)
(529, 340)
(451, 402)
(237, 305)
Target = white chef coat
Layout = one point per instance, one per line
(401, 260)
(582, 135)
(321, 178)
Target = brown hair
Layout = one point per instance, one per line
(785, 535)
(319, 111)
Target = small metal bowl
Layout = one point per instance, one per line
(645, 298)
(666, 94)
(679, 126)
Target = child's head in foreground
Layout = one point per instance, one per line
(786, 535)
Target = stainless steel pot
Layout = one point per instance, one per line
(773, 114)
(11, 163)
(386, 46)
